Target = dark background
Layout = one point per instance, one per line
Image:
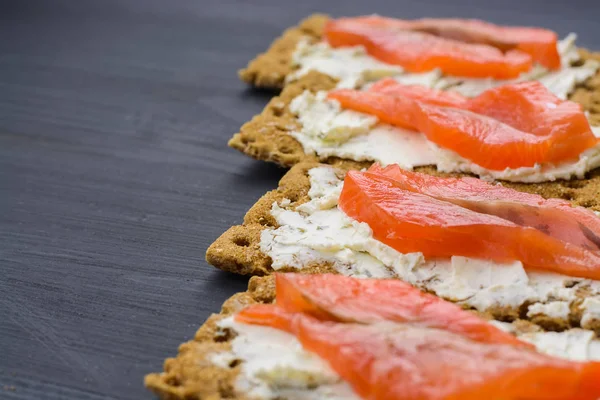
(115, 175)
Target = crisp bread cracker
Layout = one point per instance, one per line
(266, 137)
(238, 249)
(269, 69)
(192, 376)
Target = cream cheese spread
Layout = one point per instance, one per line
(319, 232)
(274, 365)
(591, 311)
(328, 131)
(354, 68)
(366, 140)
(573, 344)
(557, 309)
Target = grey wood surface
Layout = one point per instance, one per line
(115, 175)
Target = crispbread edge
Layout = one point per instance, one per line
(238, 249)
(269, 69)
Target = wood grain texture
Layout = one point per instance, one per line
(115, 175)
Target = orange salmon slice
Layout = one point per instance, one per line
(510, 126)
(344, 299)
(395, 361)
(554, 217)
(421, 52)
(413, 222)
(420, 93)
(539, 43)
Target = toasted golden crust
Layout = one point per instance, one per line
(266, 137)
(269, 69)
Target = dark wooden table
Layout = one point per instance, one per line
(115, 175)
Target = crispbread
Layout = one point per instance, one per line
(266, 137)
(191, 375)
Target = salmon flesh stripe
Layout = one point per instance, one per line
(555, 217)
(345, 299)
(413, 222)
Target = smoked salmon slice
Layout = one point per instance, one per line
(421, 52)
(413, 222)
(539, 43)
(419, 93)
(392, 361)
(344, 299)
(555, 217)
(400, 111)
(510, 126)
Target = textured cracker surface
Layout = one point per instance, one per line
(266, 137)
(269, 69)
(191, 375)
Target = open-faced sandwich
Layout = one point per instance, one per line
(460, 96)
(481, 245)
(333, 337)
(464, 55)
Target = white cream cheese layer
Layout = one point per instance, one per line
(354, 68)
(574, 344)
(328, 131)
(318, 231)
(274, 365)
